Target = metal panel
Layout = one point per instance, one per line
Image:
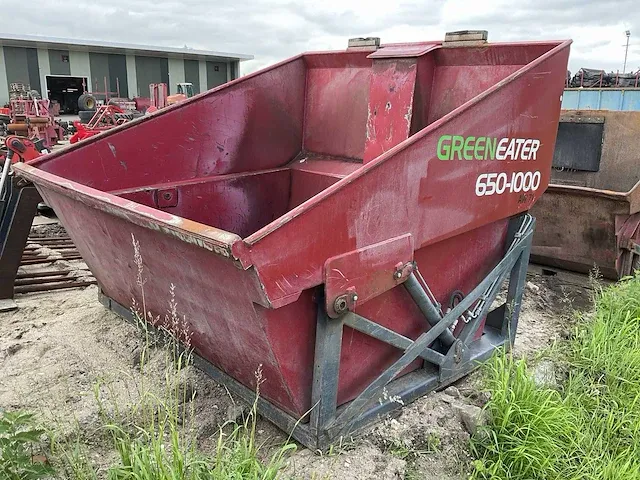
(589, 100)
(627, 99)
(192, 74)
(99, 65)
(151, 70)
(132, 78)
(164, 71)
(621, 140)
(43, 67)
(391, 95)
(353, 278)
(117, 65)
(570, 100)
(337, 88)
(176, 74)
(15, 60)
(80, 66)
(34, 70)
(59, 63)
(4, 86)
(216, 74)
(581, 214)
(610, 100)
(578, 146)
(631, 100)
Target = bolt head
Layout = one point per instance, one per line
(355, 298)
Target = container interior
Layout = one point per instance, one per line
(240, 156)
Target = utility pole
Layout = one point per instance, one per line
(626, 51)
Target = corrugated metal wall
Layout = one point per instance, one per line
(601, 99)
(111, 66)
(192, 74)
(216, 74)
(99, 66)
(151, 70)
(59, 62)
(118, 70)
(21, 66)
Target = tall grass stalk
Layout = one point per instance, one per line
(155, 434)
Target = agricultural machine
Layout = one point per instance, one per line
(104, 118)
(30, 116)
(342, 221)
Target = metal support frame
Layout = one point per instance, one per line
(329, 422)
(18, 206)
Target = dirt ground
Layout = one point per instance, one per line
(59, 345)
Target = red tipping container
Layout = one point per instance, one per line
(341, 219)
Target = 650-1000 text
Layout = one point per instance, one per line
(499, 183)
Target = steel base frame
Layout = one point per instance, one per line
(18, 207)
(444, 362)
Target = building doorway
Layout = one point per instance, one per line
(65, 90)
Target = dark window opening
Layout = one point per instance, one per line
(578, 146)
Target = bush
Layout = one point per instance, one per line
(18, 438)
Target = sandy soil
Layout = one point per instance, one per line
(62, 347)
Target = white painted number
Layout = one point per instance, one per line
(499, 183)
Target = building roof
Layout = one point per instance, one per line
(37, 41)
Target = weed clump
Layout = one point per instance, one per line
(589, 428)
(19, 437)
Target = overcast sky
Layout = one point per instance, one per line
(272, 30)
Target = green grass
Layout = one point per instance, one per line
(587, 429)
(19, 439)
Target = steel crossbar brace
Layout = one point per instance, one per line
(447, 358)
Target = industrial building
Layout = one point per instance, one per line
(54, 66)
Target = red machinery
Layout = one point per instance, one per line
(105, 118)
(320, 218)
(33, 118)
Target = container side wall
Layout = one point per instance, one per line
(240, 204)
(252, 125)
(577, 231)
(214, 298)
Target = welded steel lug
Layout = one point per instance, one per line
(346, 302)
(403, 271)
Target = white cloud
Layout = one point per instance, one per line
(272, 30)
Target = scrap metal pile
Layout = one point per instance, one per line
(592, 78)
